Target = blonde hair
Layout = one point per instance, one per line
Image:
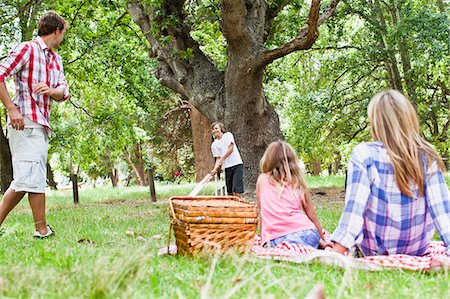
(281, 162)
(393, 121)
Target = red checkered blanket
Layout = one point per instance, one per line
(434, 258)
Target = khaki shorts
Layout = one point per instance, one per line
(29, 150)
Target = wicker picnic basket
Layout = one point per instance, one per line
(213, 222)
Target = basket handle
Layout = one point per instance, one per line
(174, 217)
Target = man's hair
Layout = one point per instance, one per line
(50, 22)
(221, 126)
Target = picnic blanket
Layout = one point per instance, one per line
(306, 254)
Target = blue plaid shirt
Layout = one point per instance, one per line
(379, 219)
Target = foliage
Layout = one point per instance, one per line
(323, 94)
(117, 105)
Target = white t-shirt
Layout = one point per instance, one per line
(220, 146)
(215, 148)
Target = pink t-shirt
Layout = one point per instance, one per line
(281, 210)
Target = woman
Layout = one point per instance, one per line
(396, 193)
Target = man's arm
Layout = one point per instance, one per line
(56, 93)
(15, 117)
(219, 161)
(11, 65)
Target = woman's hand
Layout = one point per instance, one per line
(324, 244)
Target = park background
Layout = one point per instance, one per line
(136, 107)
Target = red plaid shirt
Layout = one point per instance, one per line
(30, 63)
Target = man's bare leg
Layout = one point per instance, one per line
(37, 204)
(10, 200)
(237, 195)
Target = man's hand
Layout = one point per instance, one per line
(217, 166)
(42, 88)
(16, 118)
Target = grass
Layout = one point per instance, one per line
(106, 247)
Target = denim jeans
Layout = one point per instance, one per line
(308, 237)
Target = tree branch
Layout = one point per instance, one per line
(21, 10)
(306, 36)
(233, 21)
(103, 35)
(273, 11)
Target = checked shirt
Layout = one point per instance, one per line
(30, 63)
(379, 219)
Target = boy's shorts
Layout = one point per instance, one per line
(234, 179)
(29, 151)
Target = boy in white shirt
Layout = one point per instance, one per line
(227, 156)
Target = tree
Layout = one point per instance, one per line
(234, 95)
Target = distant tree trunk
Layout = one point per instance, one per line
(405, 58)
(317, 167)
(336, 165)
(136, 162)
(390, 59)
(50, 178)
(6, 173)
(440, 4)
(28, 18)
(114, 176)
(151, 183)
(201, 136)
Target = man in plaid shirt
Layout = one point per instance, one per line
(39, 79)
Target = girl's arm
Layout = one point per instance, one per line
(258, 190)
(311, 213)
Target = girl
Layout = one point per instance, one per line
(287, 213)
(395, 188)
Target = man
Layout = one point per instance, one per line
(39, 78)
(227, 156)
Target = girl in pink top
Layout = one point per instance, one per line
(286, 209)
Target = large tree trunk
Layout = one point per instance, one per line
(235, 96)
(201, 137)
(249, 116)
(6, 173)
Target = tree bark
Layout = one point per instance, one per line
(50, 178)
(440, 4)
(6, 173)
(114, 176)
(390, 59)
(28, 18)
(397, 16)
(317, 167)
(201, 137)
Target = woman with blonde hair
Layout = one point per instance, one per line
(396, 193)
(287, 212)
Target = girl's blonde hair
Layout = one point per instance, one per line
(393, 121)
(281, 162)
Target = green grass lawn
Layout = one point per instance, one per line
(106, 247)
